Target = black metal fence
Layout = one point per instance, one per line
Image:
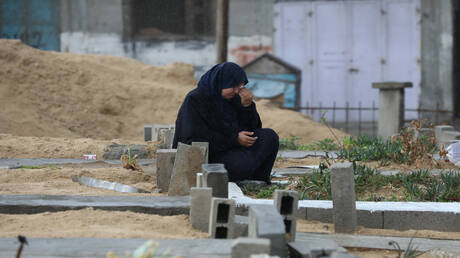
(355, 125)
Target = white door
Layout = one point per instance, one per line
(347, 45)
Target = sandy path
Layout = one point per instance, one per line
(98, 224)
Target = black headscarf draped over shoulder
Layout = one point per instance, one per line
(205, 116)
(221, 76)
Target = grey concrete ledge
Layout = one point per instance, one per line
(381, 242)
(98, 247)
(17, 163)
(31, 204)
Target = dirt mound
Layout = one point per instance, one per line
(44, 93)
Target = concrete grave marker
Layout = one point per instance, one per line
(244, 247)
(205, 145)
(187, 163)
(165, 164)
(222, 218)
(266, 222)
(216, 177)
(200, 207)
(286, 203)
(343, 197)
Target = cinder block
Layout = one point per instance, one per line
(370, 219)
(266, 222)
(430, 220)
(205, 146)
(343, 197)
(187, 163)
(241, 226)
(200, 207)
(286, 203)
(222, 218)
(244, 247)
(199, 180)
(165, 164)
(147, 133)
(216, 177)
(314, 248)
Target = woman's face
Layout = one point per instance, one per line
(229, 93)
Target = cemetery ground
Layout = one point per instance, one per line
(413, 181)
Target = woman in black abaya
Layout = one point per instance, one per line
(221, 111)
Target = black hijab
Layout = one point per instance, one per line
(223, 76)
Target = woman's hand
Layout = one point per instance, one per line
(245, 139)
(246, 96)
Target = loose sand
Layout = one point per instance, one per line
(51, 94)
(56, 180)
(98, 224)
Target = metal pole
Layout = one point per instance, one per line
(222, 30)
(359, 118)
(333, 115)
(373, 118)
(347, 108)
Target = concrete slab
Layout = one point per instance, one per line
(103, 184)
(381, 242)
(98, 247)
(31, 204)
(293, 154)
(18, 163)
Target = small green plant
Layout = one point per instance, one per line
(31, 167)
(52, 167)
(289, 143)
(259, 192)
(410, 252)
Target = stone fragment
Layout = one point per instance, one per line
(187, 163)
(266, 222)
(200, 207)
(165, 164)
(244, 247)
(343, 197)
(286, 203)
(222, 218)
(216, 177)
(199, 180)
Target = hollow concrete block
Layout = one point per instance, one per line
(266, 222)
(187, 163)
(200, 207)
(165, 164)
(286, 203)
(343, 197)
(244, 247)
(222, 218)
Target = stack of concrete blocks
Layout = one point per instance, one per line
(314, 248)
(446, 135)
(221, 219)
(286, 203)
(244, 247)
(200, 207)
(266, 222)
(391, 107)
(186, 165)
(216, 177)
(165, 164)
(152, 132)
(343, 197)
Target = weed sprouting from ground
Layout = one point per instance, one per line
(292, 143)
(264, 192)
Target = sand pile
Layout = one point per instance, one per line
(44, 93)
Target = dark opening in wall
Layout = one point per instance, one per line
(170, 19)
